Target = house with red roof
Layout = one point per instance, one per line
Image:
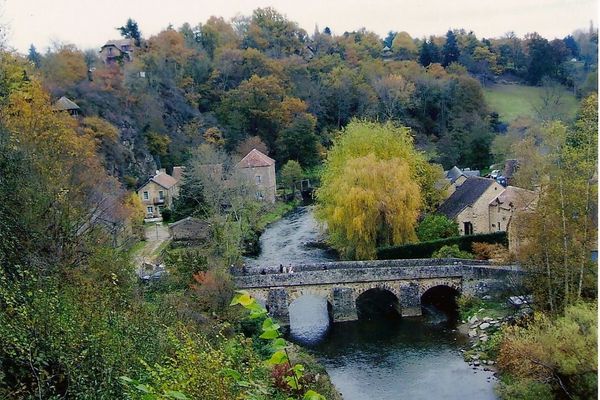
(258, 171)
(160, 191)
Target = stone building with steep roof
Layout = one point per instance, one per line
(469, 202)
(159, 192)
(258, 170)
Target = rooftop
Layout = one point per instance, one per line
(465, 195)
(64, 104)
(255, 159)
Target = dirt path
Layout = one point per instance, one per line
(156, 235)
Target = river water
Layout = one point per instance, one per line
(382, 359)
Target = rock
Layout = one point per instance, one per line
(475, 357)
(472, 333)
(483, 338)
(487, 297)
(491, 362)
(476, 363)
(484, 326)
(487, 319)
(473, 319)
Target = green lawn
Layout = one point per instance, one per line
(512, 101)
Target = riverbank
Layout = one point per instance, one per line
(482, 322)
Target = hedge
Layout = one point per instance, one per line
(426, 249)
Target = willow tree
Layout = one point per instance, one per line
(373, 187)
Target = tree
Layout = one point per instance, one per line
(291, 174)
(131, 31)
(404, 46)
(298, 141)
(373, 187)
(34, 56)
(429, 53)
(450, 51)
(436, 226)
(395, 94)
(557, 233)
(541, 62)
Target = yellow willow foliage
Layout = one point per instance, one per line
(370, 203)
(385, 141)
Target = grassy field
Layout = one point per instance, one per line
(512, 101)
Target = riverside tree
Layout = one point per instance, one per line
(373, 188)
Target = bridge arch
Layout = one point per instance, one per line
(378, 301)
(440, 298)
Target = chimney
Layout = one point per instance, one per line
(162, 171)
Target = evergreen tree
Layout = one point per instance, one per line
(389, 39)
(34, 56)
(131, 31)
(450, 51)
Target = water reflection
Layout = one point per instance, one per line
(309, 319)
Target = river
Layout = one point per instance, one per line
(381, 359)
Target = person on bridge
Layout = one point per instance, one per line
(281, 268)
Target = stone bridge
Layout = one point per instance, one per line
(343, 283)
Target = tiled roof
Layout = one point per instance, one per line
(465, 195)
(255, 159)
(515, 197)
(164, 180)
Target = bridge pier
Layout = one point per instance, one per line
(277, 304)
(410, 300)
(344, 305)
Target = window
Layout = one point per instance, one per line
(161, 195)
(498, 225)
(146, 196)
(150, 209)
(468, 228)
(259, 195)
(258, 179)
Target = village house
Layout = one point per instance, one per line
(508, 212)
(117, 50)
(469, 202)
(258, 170)
(159, 192)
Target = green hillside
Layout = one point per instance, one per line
(512, 101)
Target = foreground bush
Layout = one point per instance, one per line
(558, 356)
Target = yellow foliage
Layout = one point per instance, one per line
(373, 187)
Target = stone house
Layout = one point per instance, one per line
(258, 170)
(511, 200)
(159, 192)
(190, 229)
(469, 203)
(117, 50)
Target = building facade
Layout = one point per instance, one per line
(158, 193)
(258, 171)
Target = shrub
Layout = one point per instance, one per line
(561, 352)
(213, 290)
(436, 226)
(451, 252)
(488, 251)
(426, 249)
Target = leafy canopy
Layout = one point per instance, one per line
(374, 186)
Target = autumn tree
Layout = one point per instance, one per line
(558, 232)
(373, 187)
